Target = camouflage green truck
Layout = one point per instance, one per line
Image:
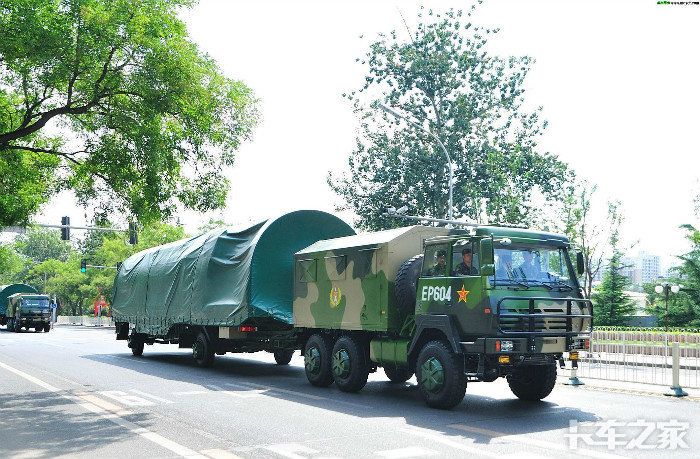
(448, 305)
(22, 306)
(452, 306)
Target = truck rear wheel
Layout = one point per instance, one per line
(38, 328)
(532, 382)
(47, 328)
(398, 375)
(350, 364)
(203, 351)
(317, 361)
(283, 356)
(440, 374)
(18, 326)
(136, 342)
(10, 324)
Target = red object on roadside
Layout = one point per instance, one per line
(95, 308)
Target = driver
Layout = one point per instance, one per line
(440, 268)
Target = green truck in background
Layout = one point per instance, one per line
(449, 305)
(21, 306)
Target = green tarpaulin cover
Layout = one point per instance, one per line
(7, 290)
(223, 277)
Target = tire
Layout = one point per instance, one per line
(38, 328)
(136, 342)
(18, 326)
(10, 324)
(398, 375)
(283, 356)
(532, 382)
(317, 361)
(350, 364)
(440, 374)
(406, 285)
(203, 351)
(47, 328)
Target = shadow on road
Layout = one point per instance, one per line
(378, 399)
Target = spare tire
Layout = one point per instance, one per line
(406, 285)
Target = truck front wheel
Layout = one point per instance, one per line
(350, 364)
(18, 326)
(532, 382)
(440, 374)
(47, 328)
(317, 361)
(203, 351)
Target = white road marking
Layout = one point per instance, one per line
(154, 397)
(502, 437)
(104, 404)
(411, 451)
(248, 393)
(191, 392)
(290, 450)
(126, 399)
(447, 441)
(283, 391)
(113, 417)
(219, 454)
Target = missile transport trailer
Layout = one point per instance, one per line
(21, 306)
(449, 305)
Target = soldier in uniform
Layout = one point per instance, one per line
(440, 268)
(465, 268)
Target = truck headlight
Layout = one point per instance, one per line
(506, 346)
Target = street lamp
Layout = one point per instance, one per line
(667, 289)
(418, 126)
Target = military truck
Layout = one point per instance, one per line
(449, 305)
(6, 291)
(28, 310)
(452, 306)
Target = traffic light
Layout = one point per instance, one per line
(133, 235)
(65, 232)
(83, 265)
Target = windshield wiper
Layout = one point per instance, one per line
(563, 286)
(513, 281)
(539, 282)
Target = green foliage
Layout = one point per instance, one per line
(41, 244)
(141, 119)
(444, 80)
(610, 305)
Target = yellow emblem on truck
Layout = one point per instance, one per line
(335, 296)
(462, 294)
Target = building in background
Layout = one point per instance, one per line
(642, 269)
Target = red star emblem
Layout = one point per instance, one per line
(462, 294)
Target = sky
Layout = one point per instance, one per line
(618, 82)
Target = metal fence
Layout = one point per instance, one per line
(85, 320)
(641, 356)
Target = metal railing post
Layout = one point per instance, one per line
(676, 390)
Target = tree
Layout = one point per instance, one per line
(40, 244)
(113, 101)
(444, 80)
(584, 235)
(610, 305)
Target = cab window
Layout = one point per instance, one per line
(465, 259)
(435, 263)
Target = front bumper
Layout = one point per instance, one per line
(527, 345)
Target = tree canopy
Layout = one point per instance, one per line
(443, 78)
(113, 101)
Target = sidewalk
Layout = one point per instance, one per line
(629, 387)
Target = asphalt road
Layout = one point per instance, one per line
(77, 392)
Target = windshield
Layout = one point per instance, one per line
(35, 302)
(526, 265)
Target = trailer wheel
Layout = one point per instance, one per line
(317, 361)
(136, 342)
(532, 382)
(350, 364)
(203, 351)
(38, 328)
(406, 285)
(440, 374)
(47, 328)
(283, 356)
(398, 375)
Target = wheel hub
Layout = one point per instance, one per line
(432, 375)
(341, 363)
(312, 360)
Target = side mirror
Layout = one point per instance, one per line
(580, 265)
(486, 257)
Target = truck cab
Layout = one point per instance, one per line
(507, 301)
(29, 310)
